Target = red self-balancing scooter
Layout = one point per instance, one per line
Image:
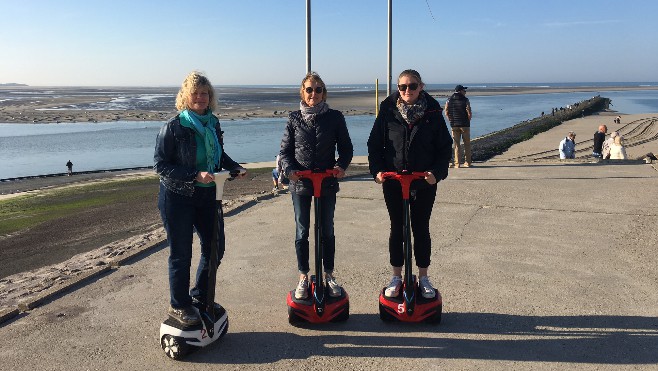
(176, 339)
(319, 307)
(409, 305)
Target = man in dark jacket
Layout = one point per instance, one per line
(458, 110)
(599, 138)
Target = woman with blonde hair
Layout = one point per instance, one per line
(188, 151)
(617, 149)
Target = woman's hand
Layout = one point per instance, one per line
(378, 178)
(341, 172)
(293, 176)
(430, 178)
(204, 177)
(243, 172)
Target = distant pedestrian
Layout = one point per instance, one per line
(278, 178)
(69, 166)
(599, 138)
(617, 149)
(458, 110)
(568, 146)
(605, 153)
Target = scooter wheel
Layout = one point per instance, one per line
(343, 316)
(293, 319)
(384, 315)
(173, 347)
(436, 318)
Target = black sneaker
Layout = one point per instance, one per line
(186, 316)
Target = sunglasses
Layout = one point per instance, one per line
(318, 90)
(412, 87)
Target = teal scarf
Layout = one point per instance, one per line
(204, 126)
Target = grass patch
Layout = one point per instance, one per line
(28, 211)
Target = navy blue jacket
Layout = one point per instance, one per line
(311, 146)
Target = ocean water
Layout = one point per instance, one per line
(38, 149)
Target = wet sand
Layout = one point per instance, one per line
(83, 104)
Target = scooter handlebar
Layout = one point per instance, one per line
(405, 178)
(221, 177)
(317, 176)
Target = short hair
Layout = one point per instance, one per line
(572, 134)
(313, 76)
(192, 83)
(411, 73)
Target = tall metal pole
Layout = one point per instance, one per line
(390, 46)
(308, 36)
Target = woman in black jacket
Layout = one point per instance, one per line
(310, 140)
(410, 133)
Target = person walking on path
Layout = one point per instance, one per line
(188, 151)
(599, 139)
(278, 179)
(69, 167)
(312, 136)
(567, 146)
(410, 134)
(458, 110)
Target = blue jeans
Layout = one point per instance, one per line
(181, 215)
(302, 206)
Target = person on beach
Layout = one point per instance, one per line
(567, 146)
(278, 178)
(411, 134)
(188, 151)
(605, 151)
(617, 149)
(599, 138)
(69, 167)
(312, 136)
(458, 110)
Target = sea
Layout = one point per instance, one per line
(41, 149)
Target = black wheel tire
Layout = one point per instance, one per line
(293, 319)
(344, 316)
(384, 315)
(436, 318)
(174, 347)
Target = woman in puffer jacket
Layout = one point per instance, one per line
(311, 138)
(411, 134)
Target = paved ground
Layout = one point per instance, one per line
(542, 265)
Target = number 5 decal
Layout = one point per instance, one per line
(401, 308)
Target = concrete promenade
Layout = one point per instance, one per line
(542, 265)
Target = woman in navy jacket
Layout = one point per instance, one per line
(411, 134)
(311, 138)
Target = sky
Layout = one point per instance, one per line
(263, 42)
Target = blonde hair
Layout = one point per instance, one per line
(192, 83)
(619, 140)
(313, 76)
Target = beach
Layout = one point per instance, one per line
(104, 104)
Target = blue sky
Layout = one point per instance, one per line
(157, 42)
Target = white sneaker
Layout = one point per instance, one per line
(334, 288)
(426, 288)
(301, 291)
(393, 288)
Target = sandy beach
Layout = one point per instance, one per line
(81, 104)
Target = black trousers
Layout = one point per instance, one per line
(420, 212)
